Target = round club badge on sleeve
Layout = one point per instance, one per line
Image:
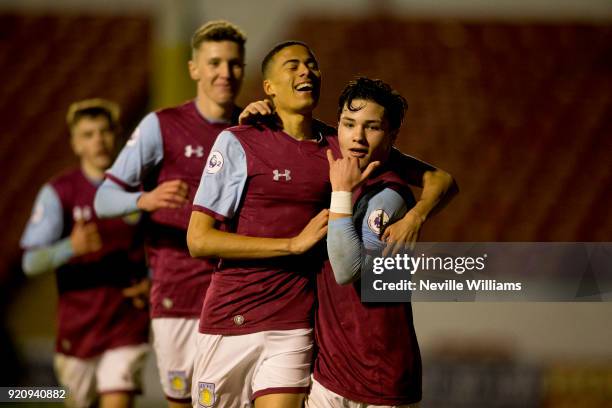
(214, 163)
(377, 220)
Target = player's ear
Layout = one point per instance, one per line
(193, 70)
(268, 87)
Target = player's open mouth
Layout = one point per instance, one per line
(304, 87)
(359, 153)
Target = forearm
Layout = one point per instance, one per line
(40, 260)
(113, 201)
(205, 241)
(439, 188)
(344, 249)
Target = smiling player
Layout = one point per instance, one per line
(166, 154)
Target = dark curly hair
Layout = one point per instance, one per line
(378, 91)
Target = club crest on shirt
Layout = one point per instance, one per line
(133, 137)
(214, 163)
(206, 394)
(377, 220)
(177, 380)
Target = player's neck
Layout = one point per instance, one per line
(213, 111)
(296, 125)
(92, 172)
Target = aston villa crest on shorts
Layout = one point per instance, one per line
(206, 394)
(178, 380)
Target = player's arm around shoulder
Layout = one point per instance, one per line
(439, 188)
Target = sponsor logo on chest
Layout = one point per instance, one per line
(196, 151)
(278, 176)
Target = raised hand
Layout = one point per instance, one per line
(345, 173)
(255, 111)
(169, 194)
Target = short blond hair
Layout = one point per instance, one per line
(93, 107)
(218, 30)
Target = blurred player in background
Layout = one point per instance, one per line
(102, 333)
(166, 155)
(270, 181)
(368, 355)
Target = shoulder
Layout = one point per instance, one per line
(248, 136)
(65, 184)
(388, 198)
(246, 131)
(185, 107)
(389, 179)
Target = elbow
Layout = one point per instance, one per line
(29, 265)
(99, 207)
(451, 183)
(346, 276)
(453, 187)
(197, 244)
(26, 267)
(194, 248)
(343, 280)
(448, 184)
(202, 239)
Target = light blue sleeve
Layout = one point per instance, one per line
(44, 251)
(46, 222)
(113, 201)
(223, 178)
(349, 255)
(44, 259)
(142, 152)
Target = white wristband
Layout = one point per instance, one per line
(341, 202)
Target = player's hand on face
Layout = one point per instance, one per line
(255, 111)
(169, 194)
(404, 233)
(312, 233)
(85, 238)
(345, 173)
(139, 293)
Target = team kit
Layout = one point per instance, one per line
(236, 239)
